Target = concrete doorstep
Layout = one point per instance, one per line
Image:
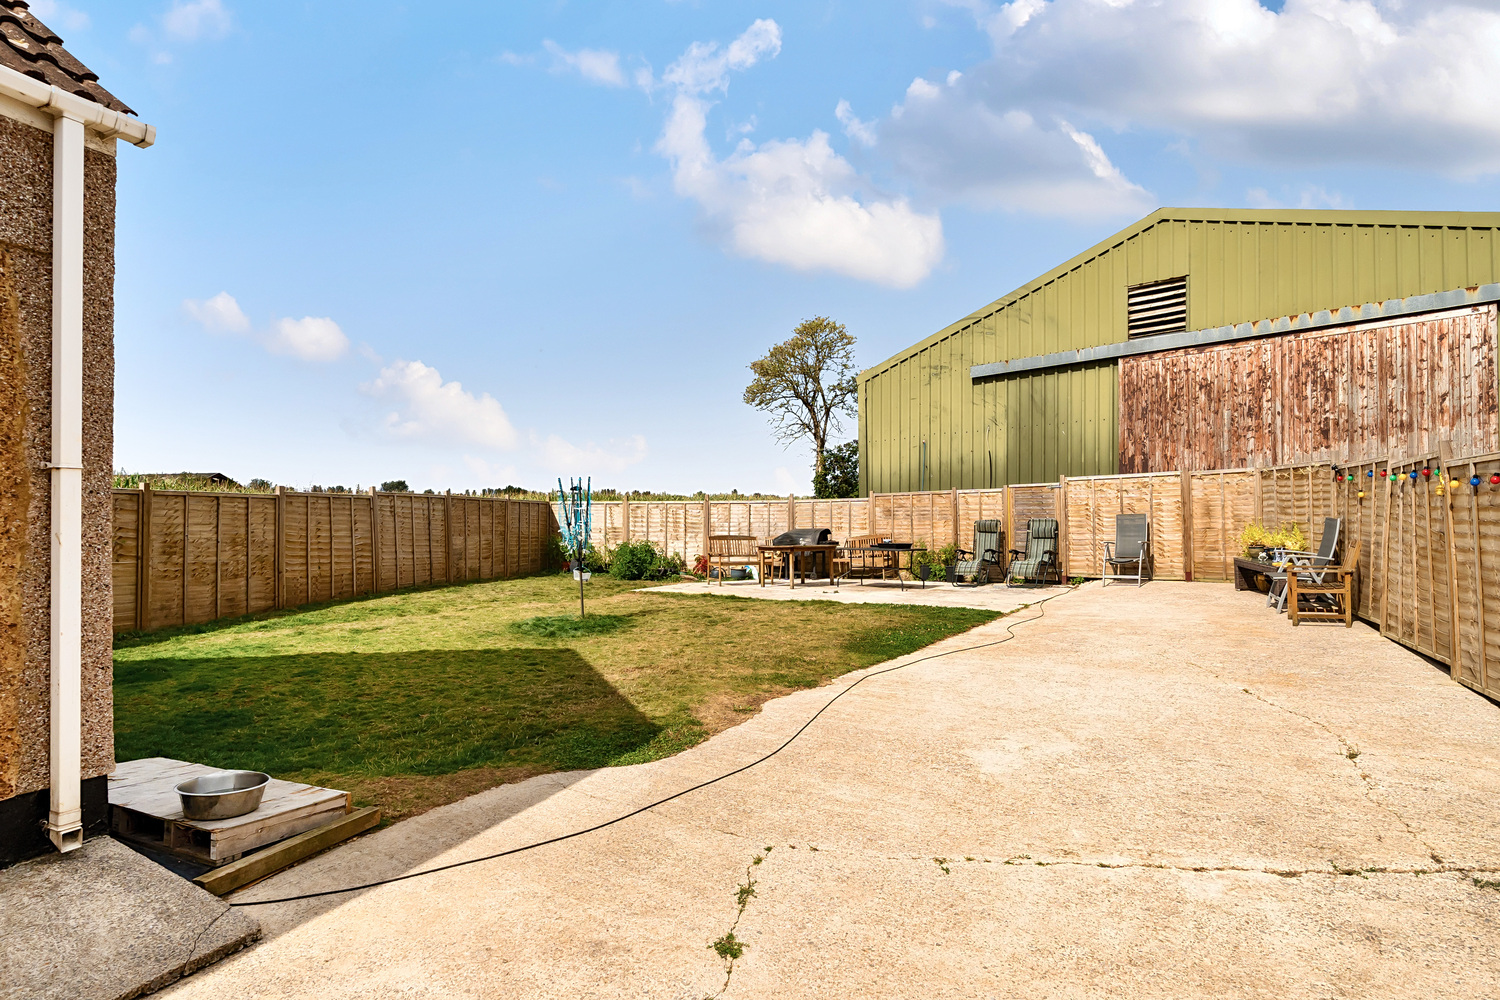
(105, 923)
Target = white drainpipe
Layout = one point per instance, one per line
(71, 114)
(65, 818)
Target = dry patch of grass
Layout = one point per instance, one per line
(416, 699)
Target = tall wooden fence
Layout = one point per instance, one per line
(1429, 563)
(1196, 518)
(184, 557)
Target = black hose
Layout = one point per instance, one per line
(1010, 634)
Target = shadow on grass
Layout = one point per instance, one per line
(389, 717)
(423, 712)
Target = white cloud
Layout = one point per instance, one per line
(493, 474)
(429, 409)
(563, 457)
(190, 20)
(220, 314)
(703, 68)
(787, 201)
(863, 133)
(1309, 196)
(950, 139)
(59, 15)
(1382, 82)
(594, 65)
(311, 338)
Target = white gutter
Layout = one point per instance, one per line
(96, 118)
(72, 117)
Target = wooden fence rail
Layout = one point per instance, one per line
(184, 557)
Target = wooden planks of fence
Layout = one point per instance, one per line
(184, 558)
(1430, 563)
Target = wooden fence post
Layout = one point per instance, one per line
(1062, 524)
(278, 588)
(708, 527)
(375, 560)
(144, 544)
(1445, 455)
(791, 511)
(1186, 478)
(953, 514)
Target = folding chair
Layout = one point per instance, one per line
(1276, 593)
(1131, 547)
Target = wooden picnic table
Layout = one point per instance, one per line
(795, 564)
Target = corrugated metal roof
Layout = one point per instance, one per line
(28, 46)
(1290, 217)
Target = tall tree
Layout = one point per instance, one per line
(839, 477)
(806, 384)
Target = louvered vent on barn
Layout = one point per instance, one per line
(1157, 307)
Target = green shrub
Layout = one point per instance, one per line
(938, 561)
(633, 561)
(643, 561)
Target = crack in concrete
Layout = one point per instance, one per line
(1351, 753)
(1333, 869)
(730, 948)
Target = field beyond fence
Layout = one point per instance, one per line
(189, 557)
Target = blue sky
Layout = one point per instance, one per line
(473, 244)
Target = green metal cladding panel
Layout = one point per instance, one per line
(1242, 266)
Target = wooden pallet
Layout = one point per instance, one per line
(144, 807)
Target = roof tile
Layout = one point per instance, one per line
(29, 46)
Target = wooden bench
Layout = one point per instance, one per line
(725, 551)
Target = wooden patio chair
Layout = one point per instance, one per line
(986, 554)
(1327, 550)
(1131, 548)
(1328, 592)
(1038, 563)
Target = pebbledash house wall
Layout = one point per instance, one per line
(26, 192)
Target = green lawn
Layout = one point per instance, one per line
(415, 699)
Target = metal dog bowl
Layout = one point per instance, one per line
(222, 795)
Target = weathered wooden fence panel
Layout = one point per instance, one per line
(184, 558)
(1350, 394)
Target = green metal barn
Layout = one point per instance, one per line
(1028, 388)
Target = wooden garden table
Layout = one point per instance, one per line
(797, 566)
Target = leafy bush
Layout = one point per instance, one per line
(1288, 536)
(633, 561)
(395, 486)
(937, 561)
(642, 561)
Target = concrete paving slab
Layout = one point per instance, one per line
(1147, 792)
(105, 923)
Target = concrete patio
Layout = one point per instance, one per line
(991, 597)
(1164, 792)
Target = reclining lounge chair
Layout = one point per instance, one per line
(1038, 563)
(975, 565)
